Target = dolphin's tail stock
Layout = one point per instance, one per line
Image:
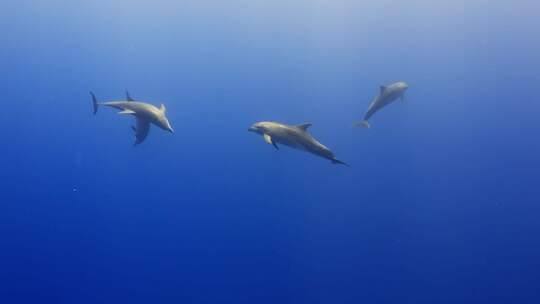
(94, 103)
(337, 161)
(364, 124)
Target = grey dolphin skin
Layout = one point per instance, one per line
(386, 96)
(296, 137)
(145, 114)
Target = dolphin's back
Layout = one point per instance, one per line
(300, 139)
(390, 94)
(141, 109)
(374, 106)
(287, 135)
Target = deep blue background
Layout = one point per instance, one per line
(440, 204)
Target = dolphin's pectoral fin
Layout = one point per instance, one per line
(402, 97)
(270, 141)
(141, 131)
(128, 98)
(304, 126)
(126, 112)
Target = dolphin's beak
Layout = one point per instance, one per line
(168, 127)
(252, 129)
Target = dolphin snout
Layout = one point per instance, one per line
(168, 127)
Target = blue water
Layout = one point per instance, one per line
(440, 204)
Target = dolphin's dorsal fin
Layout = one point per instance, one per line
(128, 98)
(162, 108)
(383, 88)
(304, 126)
(269, 140)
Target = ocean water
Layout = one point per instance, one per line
(440, 203)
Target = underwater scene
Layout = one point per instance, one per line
(270, 151)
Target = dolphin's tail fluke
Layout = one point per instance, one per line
(94, 103)
(337, 161)
(363, 123)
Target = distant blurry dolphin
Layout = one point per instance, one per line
(387, 95)
(144, 114)
(296, 137)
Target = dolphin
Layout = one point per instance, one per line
(387, 95)
(144, 113)
(296, 137)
